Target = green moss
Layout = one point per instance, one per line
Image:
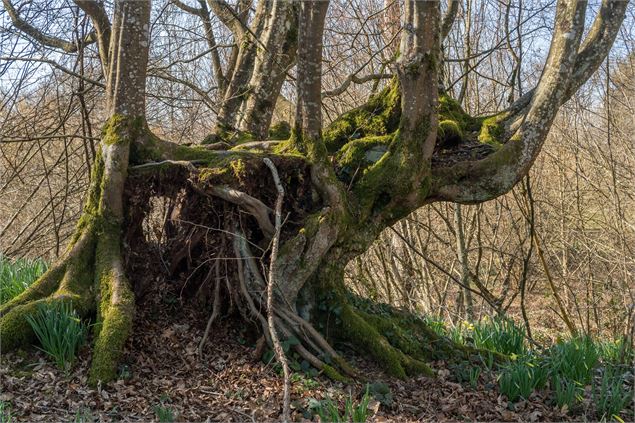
(414, 367)
(115, 327)
(396, 334)
(15, 330)
(280, 131)
(492, 130)
(333, 374)
(238, 168)
(287, 148)
(210, 158)
(393, 175)
(385, 340)
(358, 155)
(363, 151)
(313, 149)
(91, 204)
(145, 152)
(228, 135)
(115, 310)
(449, 133)
(132, 131)
(243, 137)
(379, 116)
(450, 109)
(78, 279)
(121, 129)
(367, 339)
(223, 133)
(212, 173)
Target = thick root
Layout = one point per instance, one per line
(115, 329)
(115, 313)
(365, 335)
(399, 341)
(15, 330)
(50, 281)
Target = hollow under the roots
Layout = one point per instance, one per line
(216, 253)
(212, 242)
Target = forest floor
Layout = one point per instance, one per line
(162, 379)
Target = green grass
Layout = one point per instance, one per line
(436, 324)
(17, 275)
(568, 370)
(5, 412)
(610, 395)
(164, 413)
(566, 392)
(617, 352)
(574, 359)
(60, 332)
(328, 410)
(501, 335)
(520, 377)
(83, 415)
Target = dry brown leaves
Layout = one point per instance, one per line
(161, 367)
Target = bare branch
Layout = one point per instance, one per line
(56, 65)
(353, 78)
(449, 17)
(41, 37)
(99, 18)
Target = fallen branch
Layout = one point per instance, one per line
(215, 310)
(286, 407)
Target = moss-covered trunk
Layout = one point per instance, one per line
(90, 274)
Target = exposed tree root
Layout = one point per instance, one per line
(89, 276)
(204, 219)
(400, 343)
(366, 337)
(64, 282)
(116, 308)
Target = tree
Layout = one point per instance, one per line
(409, 146)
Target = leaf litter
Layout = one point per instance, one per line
(161, 368)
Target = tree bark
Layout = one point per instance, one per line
(275, 57)
(247, 39)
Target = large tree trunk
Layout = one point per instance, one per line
(242, 67)
(265, 54)
(90, 274)
(275, 57)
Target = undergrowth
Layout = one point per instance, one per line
(5, 412)
(566, 372)
(17, 275)
(60, 332)
(329, 411)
